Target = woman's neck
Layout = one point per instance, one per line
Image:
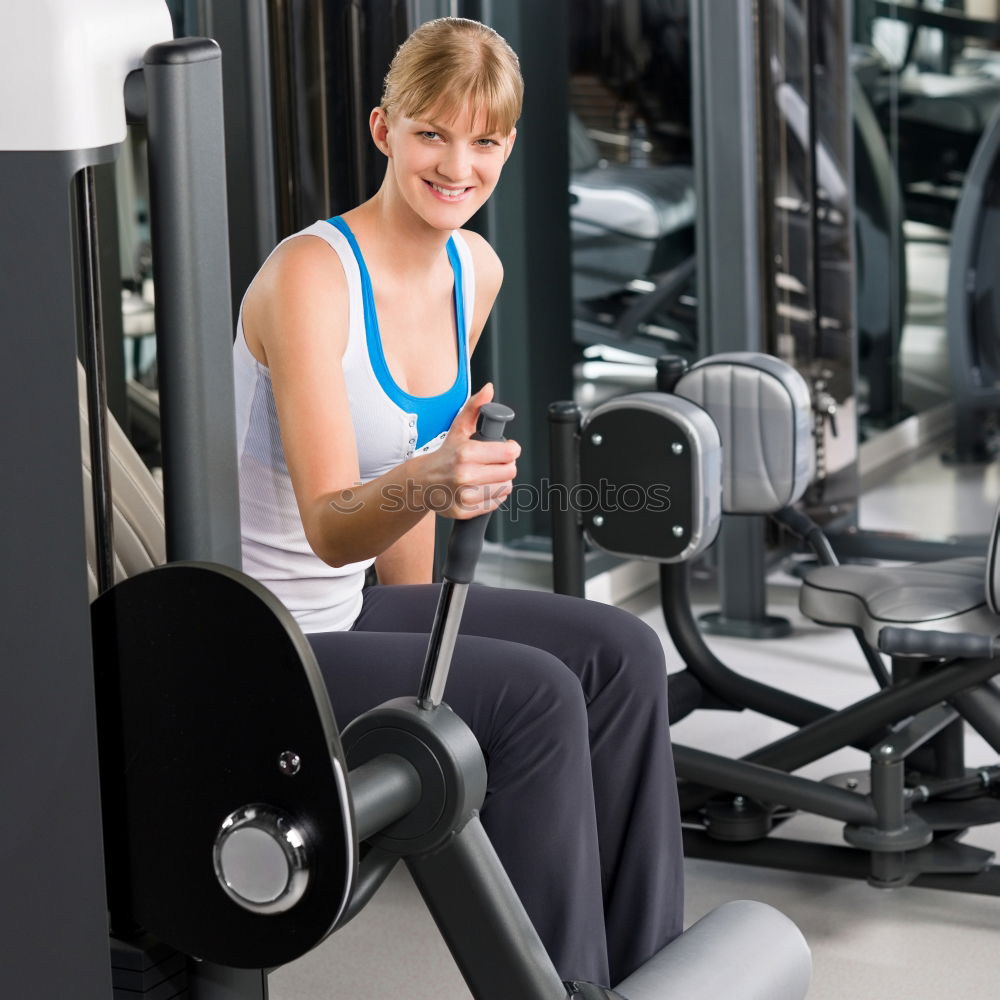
(413, 246)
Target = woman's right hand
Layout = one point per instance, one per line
(465, 478)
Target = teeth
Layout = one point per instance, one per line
(449, 192)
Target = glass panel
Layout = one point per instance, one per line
(929, 73)
(808, 239)
(631, 190)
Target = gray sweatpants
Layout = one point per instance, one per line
(567, 699)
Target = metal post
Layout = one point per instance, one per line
(241, 28)
(49, 769)
(726, 123)
(568, 573)
(181, 87)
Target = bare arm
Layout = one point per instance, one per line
(411, 559)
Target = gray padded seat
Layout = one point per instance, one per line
(946, 596)
(646, 203)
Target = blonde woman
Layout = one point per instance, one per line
(354, 421)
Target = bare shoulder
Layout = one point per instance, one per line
(302, 264)
(489, 269)
(489, 278)
(298, 293)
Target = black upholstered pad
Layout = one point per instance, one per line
(948, 596)
(204, 681)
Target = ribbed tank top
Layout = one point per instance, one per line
(389, 426)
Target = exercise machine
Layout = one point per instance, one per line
(230, 819)
(904, 817)
(974, 304)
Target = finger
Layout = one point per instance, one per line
(472, 499)
(465, 420)
(488, 452)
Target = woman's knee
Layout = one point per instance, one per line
(513, 686)
(631, 651)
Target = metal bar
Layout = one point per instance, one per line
(97, 390)
(725, 127)
(441, 646)
(183, 84)
(850, 725)
(878, 545)
(980, 707)
(470, 896)
(382, 791)
(717, 678)
(769, 785)
(568, 576)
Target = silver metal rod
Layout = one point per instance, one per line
(441, 646)
(97, 393)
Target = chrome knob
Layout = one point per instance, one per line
(261, 859)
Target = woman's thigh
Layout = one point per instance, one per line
(593, 640)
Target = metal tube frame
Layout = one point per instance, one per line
(480, 917)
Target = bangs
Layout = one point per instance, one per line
(487, 94)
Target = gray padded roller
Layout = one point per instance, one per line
(763, 410)
(741, 951)
(652, 462)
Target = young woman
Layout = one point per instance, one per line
(354, 421)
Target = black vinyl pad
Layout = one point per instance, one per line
(204, 680)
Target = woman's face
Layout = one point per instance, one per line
(444, 166)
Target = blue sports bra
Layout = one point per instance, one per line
(434, 413)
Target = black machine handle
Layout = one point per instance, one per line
(466, 541)
(464, 547)
(946, 645)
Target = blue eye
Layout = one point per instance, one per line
(430, 135)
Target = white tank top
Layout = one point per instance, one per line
(387, 428)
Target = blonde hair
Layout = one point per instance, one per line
(448, 63)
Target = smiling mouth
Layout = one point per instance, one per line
(448, 194)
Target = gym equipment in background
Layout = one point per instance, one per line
(905, 816)
(974, 304)
(938, 108)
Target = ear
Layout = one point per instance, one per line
(510, 144)
(378, 124)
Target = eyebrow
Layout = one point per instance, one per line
(435, 127)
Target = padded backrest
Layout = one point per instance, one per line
(993, 566)
(650, 477)
(763, 409)
(139, 541)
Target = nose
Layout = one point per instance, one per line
(454, 164)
